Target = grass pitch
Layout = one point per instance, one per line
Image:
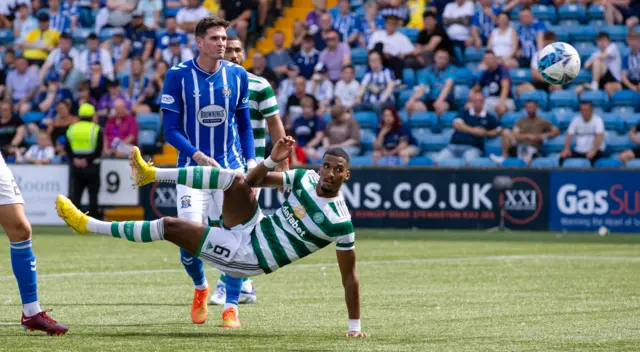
(421, 291)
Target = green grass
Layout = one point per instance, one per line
(421, 291)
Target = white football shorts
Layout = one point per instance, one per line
(9, 191)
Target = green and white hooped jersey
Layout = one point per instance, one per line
(262, 104)
(304, 224)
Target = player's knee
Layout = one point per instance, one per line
(242, 26)
(19, 231)
(171, 225)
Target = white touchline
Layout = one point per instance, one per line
(365, 262)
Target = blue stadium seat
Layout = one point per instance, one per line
(446, 120)
(597, 97)
(453, 162)
(563, 98)
(403, 115)
(147, 140)
(149, 121)
(617, 33)
(584, 76)
(576, 12)
(409, 77)
(553, 145)
(539, 96)
(105, 34)
(423, 119)
(509, 119)
(617, 144)
(482, 162)
(411, 33)
(365, 160)
(562, 32)
(585, 49)
(360, 71)
(433, 142)
(595, 12)
(422, 75)
(547, 115)
(607, 163)
(576, 163)
(544, 163)
(613, 122)
(168, 12)
(390, 160)
(403, 97)
(6, 36)
(563, 117)
(544, 13)
(630, 120)
(583, 33)
(493, 146)
(359, 56)
(460, 94)
(520, 75)
(624, 49)
(367, 138)
(33, 117)
(464, 76)
(623, 110)
(513, 162)
(366, 119)
(625, 97)
(421, 161)
(80, 35)
(471, 54)
(633, 164)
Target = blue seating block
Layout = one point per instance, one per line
(409, 77)
(421, 161)
(584, 76)
(630, 120)
(583, 33)
(563, 98)
(608, 163)
(149, 121)
(617, 144)
(625, 97)
(539, 96)
(612, 121)
(359, 56)
(411, 33)
(553, 145)
(6, 36)
(597, 97)
(360, 71)
(520, 75)
(471, 54)
(633, 164)
(453, 162)
(367, 138)
(403, 97)
(433, 142)
(544, 13)
(365, 160)
(617, 33)
(562, 32)
(482, 162)
(576, 163)
(147, 140)
(509, 119)
(544, 163)
(464, 76)
(423, 119)
(366, 119)
(32, 117)
(493, 146)
(460, 94)
(575, 12)
(513, 162)
(446, 120)
(595, 12)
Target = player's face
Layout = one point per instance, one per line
(234, 52)
(214, 43)
(333, 172)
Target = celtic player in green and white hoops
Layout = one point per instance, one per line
(249, 243)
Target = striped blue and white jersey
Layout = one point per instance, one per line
(528, 37)
(376, 83)
(207, 104)
(346, 25)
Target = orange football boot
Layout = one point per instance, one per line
(199, 310)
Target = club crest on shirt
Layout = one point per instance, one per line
(226, 91)
(185, 202)
(299, 211)
(318, 218)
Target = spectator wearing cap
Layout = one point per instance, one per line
(261, 69)
(120, 131)
(58, 126)
(376, 88)
(238, 13)
(176, 53)
(22, 85)
(335, 55)
(39, 42)
(107, 102)
(347, 88)
(23, 23)
(347, 24)
(94, 53)
(432, 38)
(170, 32)
(319, 38)
(321, 88)
(372, 22)
(278, 59)
(287, 87)
(189, 16)
(54, 60)
(60, 22)
(588, 129)
(116, 13)
(119, 47)
(135, 85)
(151, 11)
(50, 95)
(142, 39)
(457, 17)
(436, 86)
(396, 48)
(307, 58)
(313, 17)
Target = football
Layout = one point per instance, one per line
(559, 63)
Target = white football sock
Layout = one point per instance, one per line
(31, 309)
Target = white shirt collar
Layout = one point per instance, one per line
(483, 113)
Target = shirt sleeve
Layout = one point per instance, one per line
(346, 242)
(287, 178)
(268, 104)
(31, 151)
(49, 153)
(625, 63)
(599, 126)
(572, 126)
(172, 91)
(243, 98)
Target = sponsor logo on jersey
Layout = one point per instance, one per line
(318, 218)
(212, 115)
(300, 211)
(295, 224)
(226, 92)
(167, 99)
(185, 202)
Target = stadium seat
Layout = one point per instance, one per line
(6, 36)
(608, 163)
(359, 56)
(366, 119)
(365, 160)
(625, 97)
(633, 164)
(422, 75)
(597, 97)
(367, 138)
(509, 119)
(460, 94)
(547, 115)
(623, 48)
(563, 98)
(105, 34)
(539, 96)
(453, 162)
(563, 117)
(446, 120)
(409, 77)
(147, 140)
(544, 163)
(482, 162)
(471, 54)
(576, 12)
(411, 33)
(584, 76)
(595, 12)
(149, 121)
(423, 119)
(622, 110)
(391, 160)
(493, 146)
(562, 32)
(630, 120)
(33, 117)
(576, 163)
(464, 76)
(421, 161)
(520, 75)
(616, 143)
(403, 97)
(360, 71)
(613, 122)
(544, 13)
(80, 35)
(513, 162)
(433, 142)
(583, 33)
(553, 145)
(616, 33)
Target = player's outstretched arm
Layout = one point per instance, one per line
(347, 264)
(260, 175)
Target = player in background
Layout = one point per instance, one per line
(205, 102)
(23, 261)
(264, 111)
(313, 216)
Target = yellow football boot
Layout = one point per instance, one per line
(68, 212)
(142, 172)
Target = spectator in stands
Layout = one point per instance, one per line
(294, 103)
(171, 31)
(439, 79)
(22, 85)
(431, 39)
(151, 11)
(394, 46)
(176, 53)
(298, 157)
(135, 84)
(397, 8)
(286, 88)
(153, 93)
(116, 13)
(632, 153)
(120, 131)
(471, 126)
(106, 104)
(54, 61)
(457, 18)
(372, 22)
(632, 18)
(313, 18)
(119, 47)
(71, 9)
(342, 131)
(394, 138)
(39, 42)
(94, 53)
(98, 81)
(142, 39)
(319, 38)
(484, 21)
(321, 88)
(503, 41)
(189, 16)
(238, 13)
(172, 7)
(42, 152)
(530, 34)
(538, 81)
(58, 126)
(278, 59)
(50, 95)
(300, 33)
(605, 65)
(496, 81)
(23, 23)
(621, 11)
(60, 22)
(83, 95)
(69, 75)
(525, 140)
(347, 24)
(347, 88)
(376, 88)
(309, 128)
(307, 58)
(260, 68)
(335, 55)
(12, 131)
(631, 63)
(589, 132)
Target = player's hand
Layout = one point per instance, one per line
(282, 149)
(356, 334)
(203, 160)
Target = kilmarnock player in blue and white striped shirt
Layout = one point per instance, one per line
(206, 117)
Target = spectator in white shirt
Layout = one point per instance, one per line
(23, 23)
(95, 53)
(457, 17)
(42, 152)
(189, 16)
(589, 132)
(503, 41)
(286, 88)
(605, 66)
(151, 9)
(394, 46)
(347, 88)
(321, 88)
